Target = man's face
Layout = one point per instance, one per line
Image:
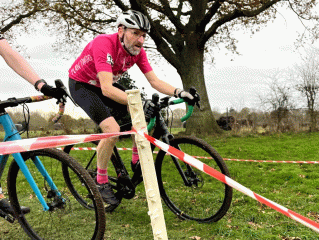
(134, 40)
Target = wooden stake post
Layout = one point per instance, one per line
(147, 165)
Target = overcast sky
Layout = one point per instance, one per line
(234, 81)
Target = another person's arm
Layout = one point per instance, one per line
(22, 67)
(18, 63)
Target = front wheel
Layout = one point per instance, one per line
(66, 219)
(188, 192)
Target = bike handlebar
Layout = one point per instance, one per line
(164, 102)
(13, 102)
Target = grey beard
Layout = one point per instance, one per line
(132, 51)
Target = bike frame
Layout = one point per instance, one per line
(160, 132)
(11, 133)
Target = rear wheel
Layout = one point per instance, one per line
(188, 192)
(66, 219)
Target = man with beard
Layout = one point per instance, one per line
(93, 85)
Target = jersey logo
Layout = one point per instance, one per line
(93, 82)
(110, 59)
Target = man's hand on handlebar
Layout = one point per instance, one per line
(183, 94)
(191, 97)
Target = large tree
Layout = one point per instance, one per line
(182, 30)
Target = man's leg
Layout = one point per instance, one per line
(135, 157)
(104, 153)
(105, 147)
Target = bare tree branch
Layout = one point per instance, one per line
(237, 13)
(18, 20)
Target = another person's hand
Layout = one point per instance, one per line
(50, 91)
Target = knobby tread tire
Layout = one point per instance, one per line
(78, 170)
(164, 181)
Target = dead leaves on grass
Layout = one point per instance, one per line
(314, 215)
(195, 238)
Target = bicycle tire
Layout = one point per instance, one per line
(91, 169)
(68, 219)
(206, 200)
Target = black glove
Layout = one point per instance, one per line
(57, 93)
(149, 109)
(183, 94)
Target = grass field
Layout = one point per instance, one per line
(294, 186)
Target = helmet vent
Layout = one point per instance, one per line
(129, 21)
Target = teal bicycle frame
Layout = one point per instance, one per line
(11, 133)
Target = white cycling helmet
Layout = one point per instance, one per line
(134, 19)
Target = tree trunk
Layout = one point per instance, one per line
(313, 121)
(312, 112)
(202, 121)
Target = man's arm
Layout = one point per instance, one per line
(159, 85)
(166, 88)
(18, 63)
(106, 81)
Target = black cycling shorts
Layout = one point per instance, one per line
(90, 98)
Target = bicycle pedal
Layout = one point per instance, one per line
(110, 208)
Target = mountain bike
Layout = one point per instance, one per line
(35, 180)
(187, 192)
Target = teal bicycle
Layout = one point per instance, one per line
(36, 180)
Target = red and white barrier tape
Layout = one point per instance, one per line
(269, 161)
(30, 144)
(201, 157)
(221, 177)
(56, 141)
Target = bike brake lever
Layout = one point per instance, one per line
(164, 102)
(59, 84)
(198, 105)
(196, 99)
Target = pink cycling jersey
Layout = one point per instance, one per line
(106, 53)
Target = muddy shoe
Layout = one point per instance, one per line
(7, 208)
(108, 196)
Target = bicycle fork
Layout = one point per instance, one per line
(24, 169)
(11, 130)
(188, 174)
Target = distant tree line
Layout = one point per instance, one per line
(291, 104)
(184, 32)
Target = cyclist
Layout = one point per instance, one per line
(93, 85)
(21, 67)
